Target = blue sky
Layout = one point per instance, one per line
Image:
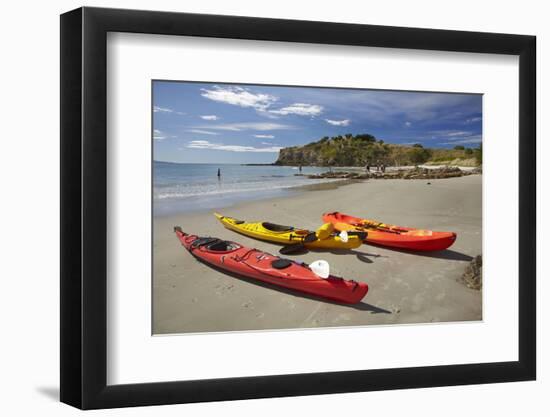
(238, 123)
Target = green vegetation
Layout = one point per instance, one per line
(363, 149)
(478, 154)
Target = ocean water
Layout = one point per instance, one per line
(179, 188)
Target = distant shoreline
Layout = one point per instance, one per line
(260, 165)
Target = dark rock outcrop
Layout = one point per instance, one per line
(472, 277)
(406, 174)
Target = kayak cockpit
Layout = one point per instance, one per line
(213, 244)
(223, 246)
(277, 227)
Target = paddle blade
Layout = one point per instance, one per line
(344, 236)
(320, 268)
(292, 249)
(325, 231)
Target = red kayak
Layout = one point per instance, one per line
(261, 266)
(390, 235)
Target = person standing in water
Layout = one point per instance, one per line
(300, 169)
(219, 174)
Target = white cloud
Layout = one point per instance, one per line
(473, 120)
(239, 96)
(204, 144)
(157, 109)
(300, 109)
(464, 141)
(264, 136)
(344, 122)
(459, 133)
(210, 117)
(408, 124)
(261, 102)
(238, 127)
(202, 132)
(158, 135)
(450, 133)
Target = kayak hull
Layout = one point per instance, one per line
(398, 237)
(257, 265)
(257, 230)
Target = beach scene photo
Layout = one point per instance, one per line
(298, 207)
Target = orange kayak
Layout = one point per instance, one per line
(390, 235)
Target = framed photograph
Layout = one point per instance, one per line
(258, 208)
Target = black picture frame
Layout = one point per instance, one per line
(84, 207)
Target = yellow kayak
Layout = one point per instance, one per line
(324, 237)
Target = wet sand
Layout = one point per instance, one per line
(189, 296)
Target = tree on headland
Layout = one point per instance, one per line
(419, 155)
(459, 148)
(365, 137)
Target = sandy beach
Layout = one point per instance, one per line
(404, 287)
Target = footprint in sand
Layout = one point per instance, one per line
(417, 303)
(404, 283)
(260, 315)
(289, 303)
(248, 304)
(340, 318)
(222, 290)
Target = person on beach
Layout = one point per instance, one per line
(219, 173)
(367, 168)
(300, 169)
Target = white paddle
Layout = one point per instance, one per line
(344, 236)
(320, 268)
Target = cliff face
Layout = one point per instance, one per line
(360, 150)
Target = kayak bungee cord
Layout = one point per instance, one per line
(242, 260)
